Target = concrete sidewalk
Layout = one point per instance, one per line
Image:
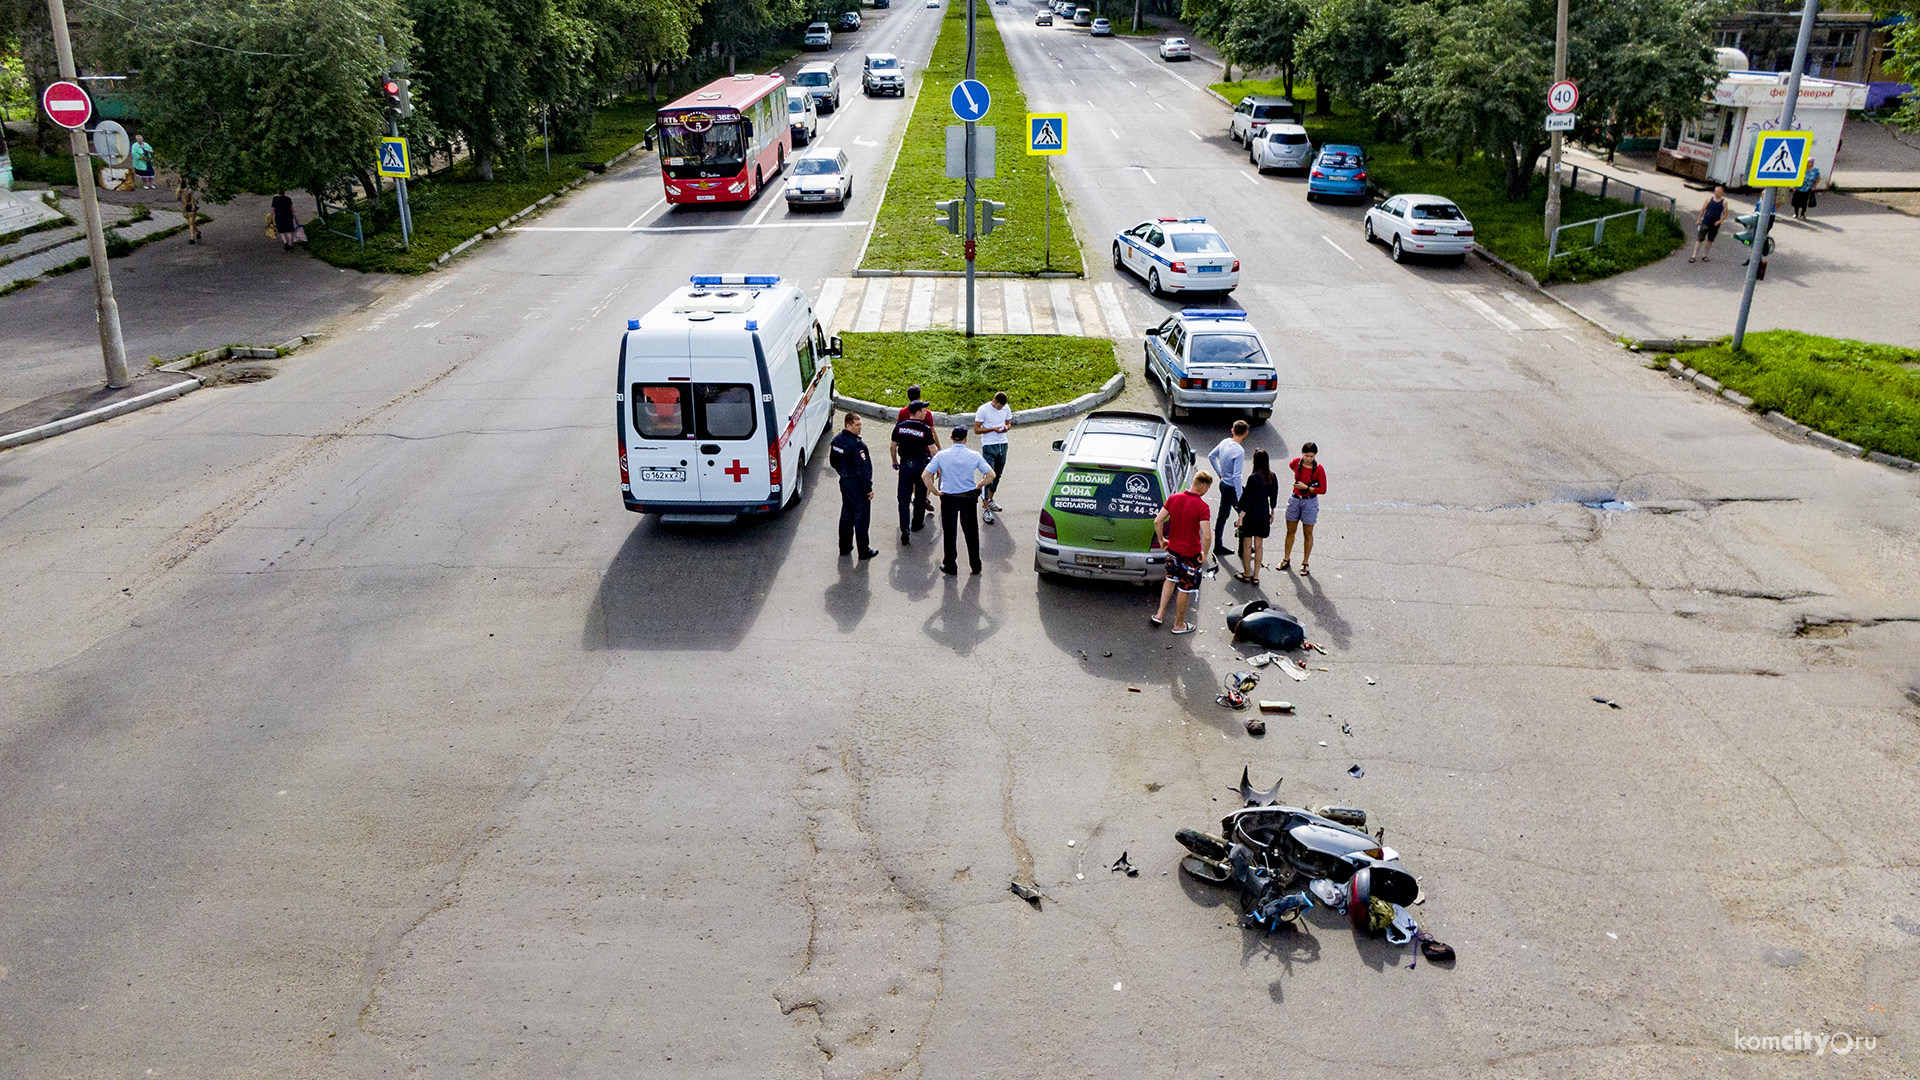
(1847, 272)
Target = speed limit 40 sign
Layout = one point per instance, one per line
(1562, 97)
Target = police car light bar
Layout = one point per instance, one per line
(1183, 220)
(752, 280)
(1212, 313)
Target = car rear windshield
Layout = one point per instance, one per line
(677, 410)
(1339, 161)
(1198, 243)
(1107, 493)
(1272, 112)
(815, 166)
(1439, 212)
(1227, 349)
(1289, 138)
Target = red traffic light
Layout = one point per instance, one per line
(391, 87)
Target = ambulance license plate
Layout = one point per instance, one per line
(676, 475)
(1104, 562)
(1229, 384)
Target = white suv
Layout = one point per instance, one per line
(821, 80)
(883, 74)
(1254, 113)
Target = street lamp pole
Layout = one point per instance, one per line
(113, 347)
(1769, 197)
(1554, 145)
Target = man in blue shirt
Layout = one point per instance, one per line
(958, 474)
(1229, 461)
(850, 459)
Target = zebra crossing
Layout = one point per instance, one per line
(1071, 308)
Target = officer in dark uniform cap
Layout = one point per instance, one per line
(914, 444)
(850, 459)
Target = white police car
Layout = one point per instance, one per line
(1209, 358)
(1177, 255)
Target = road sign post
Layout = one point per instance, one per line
(1562, 96)
(1046, 137)
(970, 102)
(113, 346)
(110, 143)
(1765, 152)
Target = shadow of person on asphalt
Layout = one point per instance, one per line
(1088, 619)
(847, 598)
(960, 623)
(690, 586)
(1326, 619)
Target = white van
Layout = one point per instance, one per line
(725, 391)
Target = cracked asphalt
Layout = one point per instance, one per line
(349, 727)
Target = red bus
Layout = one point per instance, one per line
(723, 142)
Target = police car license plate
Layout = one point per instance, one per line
(1104, 562)
(1229, 384)
(663, 474)
(1212, 269)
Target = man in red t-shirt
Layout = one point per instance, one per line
(1181, 528)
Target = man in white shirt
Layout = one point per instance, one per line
(1229, 460)
(958, 474)
(992, 422)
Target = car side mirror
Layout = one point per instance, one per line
(1189, 455)
(1154, 332)
(833, 345)
(1059, 444)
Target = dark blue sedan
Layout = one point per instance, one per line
(1340, 169)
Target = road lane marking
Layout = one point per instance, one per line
(1534, 312)
(1338, 248)
(1150, 178)
(1115, 133)
(1111, 310)
(1159, 106)
(830, 294)
(1196, 135)
(873, 306)
(1163, 68)
(769, 208)
(689, 228)
(1019, 318)
(1484, 309)
(649, 210)
(1250, 178)
(1065, 319)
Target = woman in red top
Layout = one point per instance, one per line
(1303, 507)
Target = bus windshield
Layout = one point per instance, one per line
(721, 150)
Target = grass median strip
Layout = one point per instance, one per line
(905, 234)
(957, 374)
(1515, 231)
(1866, 394)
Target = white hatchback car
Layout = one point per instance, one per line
(1420, 225)
(1280, 146)
(1176, 48)
(821, 177)
(1177, 255)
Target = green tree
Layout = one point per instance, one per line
(1640, 62)
(1906, 65)
(1263, 33)
(1348, 46)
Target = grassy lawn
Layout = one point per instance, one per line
(1867, 394)
(54, 169)
(957, 374)
(906, 236)
(1515, 231)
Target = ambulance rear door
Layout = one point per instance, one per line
(662, 462)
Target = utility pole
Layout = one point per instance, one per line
(969, 207)
(1553, 150)
(113, 347)
(1758, 253)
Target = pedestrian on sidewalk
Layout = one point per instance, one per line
(1804, 198)
(913, 395)
(190, 206)
(913, 445)
(850, 459)
(1707, 228)
(1181, 528)
(285, 225)
(1258, 499)
(1303, 507)
(1229, 460)
(958, 474)
(992, 421)
(142, 154)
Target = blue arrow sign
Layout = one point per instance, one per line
(970, 100)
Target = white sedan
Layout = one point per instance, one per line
(1176, 48)
(1177, 255)
(1420, 225)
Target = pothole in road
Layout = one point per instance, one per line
(235, 372)
(1823, 629)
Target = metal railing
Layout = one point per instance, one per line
(1641, 196)
(1599, 230)
(325, 220)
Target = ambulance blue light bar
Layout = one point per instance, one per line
(1212, 313)
(756, 281)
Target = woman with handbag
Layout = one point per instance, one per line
(285, 227)
(1258, 498)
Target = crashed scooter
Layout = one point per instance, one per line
(1265, 849)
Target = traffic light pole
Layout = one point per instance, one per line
(113, 347)
(1768, 199)
(969, 207)
(400, 191)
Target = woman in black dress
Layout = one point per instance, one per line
(1257, 502)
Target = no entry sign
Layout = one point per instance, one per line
(67, 104)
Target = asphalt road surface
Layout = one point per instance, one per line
(350, 727)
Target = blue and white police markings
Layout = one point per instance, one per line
(1175, 254)
(970, 100)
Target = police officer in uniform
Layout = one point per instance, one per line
(850, 459)
(914, 444)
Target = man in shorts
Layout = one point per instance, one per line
(1303, 506)
(1707, 227)
(1181, 528)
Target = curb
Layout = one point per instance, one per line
(237, 352)
(119, 408)
(1782, 423)
(542, 201)
(1038, 274)
(1084, 403)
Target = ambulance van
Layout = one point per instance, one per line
(725, 391)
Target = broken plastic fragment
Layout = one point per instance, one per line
(1608, 702)
(1121, 864)
(1356, 771)
(1369, 680)
(1025, 892)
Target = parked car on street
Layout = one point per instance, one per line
(1209, 358)
(1420, 225)
(1045, 18)
(1115, 470)
(801, 114)
(882, 73)
(818, 36)
(849, 20)
(1341, 169)
(1101, 28)
(1083, 16)
(1280, 146)
(1255, 112)
(1176, 48)
(821, 177)
(1177, 255)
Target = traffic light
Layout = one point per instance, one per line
(399, 98)
(988, 208)
(1749, 224)
(950, 210)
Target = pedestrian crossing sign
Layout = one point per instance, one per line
(1046, 133)
(393, 157)
(1780, 159)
